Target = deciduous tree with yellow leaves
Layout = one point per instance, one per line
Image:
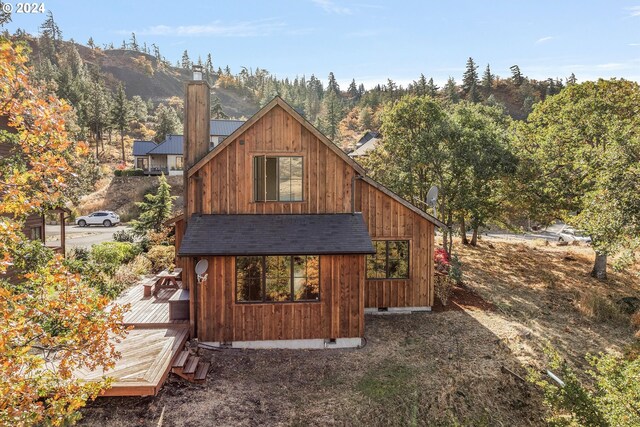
(51, 322)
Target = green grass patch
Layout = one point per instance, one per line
(386, 381)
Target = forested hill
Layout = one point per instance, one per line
(143, 75)
(89, 77)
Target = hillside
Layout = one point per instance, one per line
(142, 76)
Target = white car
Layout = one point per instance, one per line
(106, 218)
(570, 234)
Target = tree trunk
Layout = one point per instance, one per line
(122, 145)
(474, 238)
(600, 267)
(463, 231)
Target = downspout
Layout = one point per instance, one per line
(353, 192)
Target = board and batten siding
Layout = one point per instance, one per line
(388, 219)
(338, 314)
(224, 185)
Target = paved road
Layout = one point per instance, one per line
(82, 237)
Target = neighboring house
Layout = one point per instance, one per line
(299, 241)
(167, 157)
(368, 142)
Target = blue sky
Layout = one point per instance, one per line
(371, 40)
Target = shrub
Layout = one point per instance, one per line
(125, 276)
(161, 257)
(128, 172)
(611, 397)
(140, 265)
(110, 255)
(443, 287)
(124, 236)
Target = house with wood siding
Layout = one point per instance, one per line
(299, 241)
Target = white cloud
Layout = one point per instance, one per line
(634, 44)
(544, 39)
(238, 29)
(330, 7)
(634, 11)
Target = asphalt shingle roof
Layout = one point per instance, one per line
(276, 235)
(141, 148)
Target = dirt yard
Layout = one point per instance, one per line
(459, 365)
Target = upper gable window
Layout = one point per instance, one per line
(277, 179)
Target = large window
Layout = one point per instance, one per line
(391, 260)
(277, 278)
(277, 179)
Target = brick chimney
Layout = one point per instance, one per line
(196, 128)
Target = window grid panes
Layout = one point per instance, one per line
(277, 278)
(391, 260)
(278, 179)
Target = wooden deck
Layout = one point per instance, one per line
(148, 312)
(150, 348)
(147, 356)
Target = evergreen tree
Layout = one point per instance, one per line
(516, 75)
(139, 109)
(97, 111)
(134, 43)
(50, 29)
(124, 45)
(361, 90)
(186, 62)
(470, 81)
(167, 122)
(121, 115)
(432, 89)
(5, 17)
(487, 80)
(331, 114)
(332, 84)
(91, 44)
(571, 80)
(352, 91)
(216, 109)
(420, 86)
(155, 209)
(451, 91)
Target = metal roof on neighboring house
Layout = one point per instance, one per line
(141, 148)
(171, 145)
(316, 234)
(221, 127)
(364, 149)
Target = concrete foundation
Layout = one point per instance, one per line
(396, 310)
(310, 344)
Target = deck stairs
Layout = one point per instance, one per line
(189, 366)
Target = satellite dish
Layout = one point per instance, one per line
(432, 196)
(201, 267)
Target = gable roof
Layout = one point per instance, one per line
(364, 149)
(220, 127)
(171, 145)
(141, 148)
(277, 101)
(367, 136)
